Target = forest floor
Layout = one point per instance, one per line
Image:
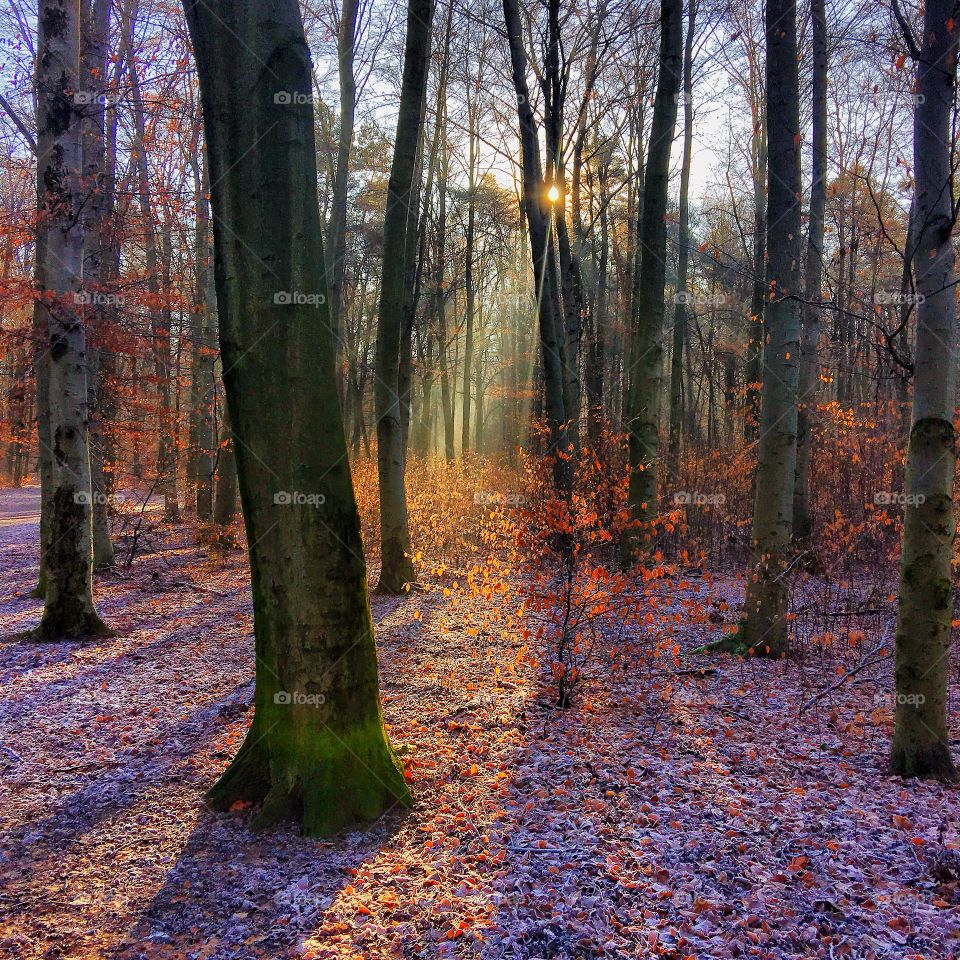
(713, 820)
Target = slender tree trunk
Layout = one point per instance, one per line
(754, 365)
(468, 275)
(646, 345)
(810, 336)
(596, 356)
(98, 187)
(920, 745)
(764, 627)
(68, 610)
(552, 335)
(203, 353)
(225, 497)
(316, 749)
(396, 565)
(683, 259)
(337, 245)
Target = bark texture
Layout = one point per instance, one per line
(920, 745)
(396, 565)
(316, 750)
(67, 543)
(645, 372)
(764, 627)
(810, 335)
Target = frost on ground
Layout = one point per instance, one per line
(708, 820)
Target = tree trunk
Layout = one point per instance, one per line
(225, 498)
(316, 749)
(98, 187)
(754, 365)
(68, 610)
(810, 335)
(472, 110)
(337, 240)
(396, 565)
(680, 307)
(764, 627)
(646, 346)
(203, 353)
(920, 745)
(552, 335)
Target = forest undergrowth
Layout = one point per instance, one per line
(588, 781)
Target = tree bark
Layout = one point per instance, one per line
(337, 240)
(646, 346)
(203, 355)
(810, 333)
(396, 564)
(683, 258)
(316, 750)
(97, 261)
(920, 746)
(68, 545)
(539, 223)
(764, 627)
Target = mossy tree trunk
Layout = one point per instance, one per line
(920, 745)
(645, 371)
(396, 565)
(316, 750)
(67, 544)
(764, 625)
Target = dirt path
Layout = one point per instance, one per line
(704, 820)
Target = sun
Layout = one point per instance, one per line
(553, 194)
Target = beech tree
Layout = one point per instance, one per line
(645, 371)
(396, 564)
(316, 749)
(764, 625)
(677, 399)
(813, 279)
(920, 746)
(536, 208)
(64, 402)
